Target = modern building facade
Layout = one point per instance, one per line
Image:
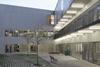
(18, 25)
(80, 33)
(73, 29)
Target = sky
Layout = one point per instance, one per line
(39, 4)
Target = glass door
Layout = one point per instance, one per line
(89, 52)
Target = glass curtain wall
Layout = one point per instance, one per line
(89, 51)
(76, 50)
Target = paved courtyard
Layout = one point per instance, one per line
(67, 61)
(22, 60)
(29, 60)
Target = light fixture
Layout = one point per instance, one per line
(71, 11)
(76, 34)
(77, 5)
(16, 31)
(67, 16)
(63, 20)
(61, 24)
(94, 27)
(73, 34)
(85, 31)
(80, 34)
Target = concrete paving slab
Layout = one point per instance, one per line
(67, 61)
